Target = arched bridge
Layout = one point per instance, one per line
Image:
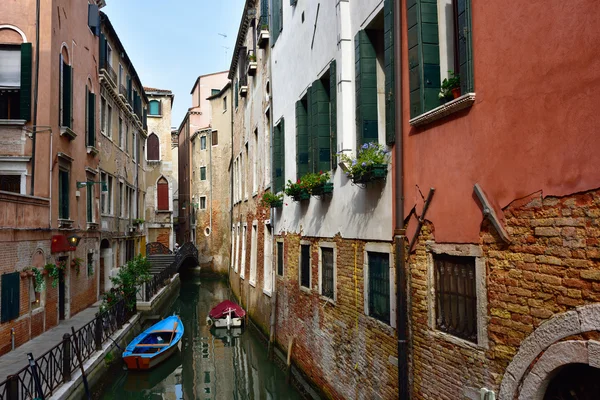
(162, 258)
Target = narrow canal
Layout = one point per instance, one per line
(210, 365)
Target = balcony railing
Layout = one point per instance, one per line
(110, 71)
(123, 91)
(252, 64)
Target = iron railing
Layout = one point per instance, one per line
(157, 248)
(56, 366)
(161, 279)
(111, 72)
(123, 91)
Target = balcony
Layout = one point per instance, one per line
(108, 73)
(123, 92)
(263, 32)
(23, 211)
(252, 64)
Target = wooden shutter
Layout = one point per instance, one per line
(91, 119)
(366, 89)
(321, 127)
(153, 148)
(465, 50)
(25, 93)
(276, 20)
(163, 195)
(102, 51)
(63, 187)
(67, 95)
(159, 107)
(390, 102)
(302, 139)
(90, 202)
(279, 156)
(242, 66)
(129, 90)
(215, 138)
(94, 18)
(423, 55)
(333, 112)
(11, 287)
(236, 93)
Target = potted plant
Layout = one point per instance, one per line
(252, 58)
(370, 164)
(138, 221)
(318, 184)
(450, 87)
(271, 200)
(297, 191)
(76, 263)
(40, 283)
(53, 271)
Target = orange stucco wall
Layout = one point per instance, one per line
(534, 124)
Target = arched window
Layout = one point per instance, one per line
(153, 147)
(154, 107)
(15, 74)
(162, 194)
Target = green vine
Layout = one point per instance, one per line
(76, 262)
(54, 271)
(127, 282)
(40, 283)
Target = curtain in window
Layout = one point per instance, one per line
(10, 69)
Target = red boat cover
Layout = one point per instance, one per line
(222, 309)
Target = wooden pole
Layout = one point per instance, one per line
(288, 368)
(272, 330)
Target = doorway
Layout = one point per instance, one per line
(61, 290)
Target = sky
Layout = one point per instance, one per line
(172, 42)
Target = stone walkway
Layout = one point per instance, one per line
(15, 360)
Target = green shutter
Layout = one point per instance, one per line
(11, 287)
(276, 16)
(236, 94)
(102, 51)
(321, 127)
(91, 119)
(25, 94)
(278, 157)
(90, 202)
(333, 112)
(312, 129)
(67, 95)
(366, 89)
(465, 49)
(281, 184)
(390, 103)
(63, 199)
(302, 139)
(423, 55)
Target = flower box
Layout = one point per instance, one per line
(303, 195)
(324, 189)
(277, 203)
(376, 172)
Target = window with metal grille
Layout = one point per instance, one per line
(280, 258)
(10, 183)
(305, 265)
(455, 296)
(379, 286)
(327, 281)
(63, 194)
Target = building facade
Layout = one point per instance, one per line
(162, 172)
(197, 118)
(503, 275)
(122, 144)
(48, 164)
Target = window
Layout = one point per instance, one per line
(66, 94)
(109, 54)
(379, 286)
(91, 118)
(90, 264)
(305, 265)
(106, 199)
(121, 199)
(449, 34)
(134, 145)
(162, 194)
(280, 258)
(279, 156)
(121, 76)
(225, 103)
(10, 183)
(237, 249)
(455, 296)
(90, 201)
(253, 255)
(109, 122)
(232, 247)
(202, 173)
(63, 193)
(247, 166)
(327, 272)
(203, 142)
(243, 263)
(214, 92)
(126, 137)
(267, 150)
(15, 81)
(203, 202)
(154, 107)
(268, 260)
(103, 115)
(236, 98)
(215, 138)
(10, 296)
(255, 156)
(120, 132)
(153, 147)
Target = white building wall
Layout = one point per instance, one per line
(352, 211)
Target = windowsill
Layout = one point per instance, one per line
(253, 284)
(154, 115)
(254, 194)
(327, 299)
(164, 212)
(388, 328)
(68, 132)
(451, 107)
(92, 226)
(12, 122)
(92, 150)
(65, 223)
(304, 289)
(39, 309)
(242, 277)
(153, 161)
(107, 215)
(455, 340)
(268, 293)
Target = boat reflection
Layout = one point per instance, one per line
(136, 381)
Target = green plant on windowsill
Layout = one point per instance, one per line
(252, 58)
(271, 200)
(138, 221)
(264, 27)
(40, 283)
(370, 164)
(297, 191)
(450, 87)
(318, 184)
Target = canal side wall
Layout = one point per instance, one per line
(99, 365)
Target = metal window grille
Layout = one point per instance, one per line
(327, 281)
(63, 199)
(280, 258)
(455, 296)
(305, 265)
(379, 286)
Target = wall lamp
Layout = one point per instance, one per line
(103, 185)
(73, 240)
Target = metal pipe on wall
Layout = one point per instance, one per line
(35, 94)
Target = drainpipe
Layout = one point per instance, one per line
(35, 93)
(273, 320)
(399, 232)
(231, 186)
(210, 187)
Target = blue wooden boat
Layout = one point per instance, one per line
(155, 344)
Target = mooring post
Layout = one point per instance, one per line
(288, 367)
(12, 392)
(272, 329)
(66, 357)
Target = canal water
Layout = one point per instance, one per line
(210, 365)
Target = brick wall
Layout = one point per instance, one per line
(551, 266)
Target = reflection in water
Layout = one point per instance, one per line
(212, 364)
